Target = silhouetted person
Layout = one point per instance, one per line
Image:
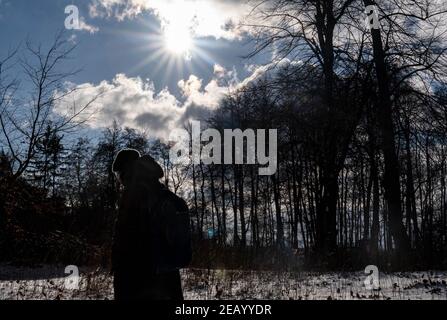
(152, 240)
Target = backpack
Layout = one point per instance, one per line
(171, 233)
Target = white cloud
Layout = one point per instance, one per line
(134, 102)
(216, 18)
(222, 83)
(194, 92)
(84, 26)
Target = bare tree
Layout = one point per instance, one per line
(8, 85)
(24, 119)
(315, 33)
(415, 54)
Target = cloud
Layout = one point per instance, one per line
(119, 9)
(216, 18)
(195, 93)
(135, 103)
(84, 26)
(266, 70)
(130, 101)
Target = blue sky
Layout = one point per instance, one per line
(122, 48)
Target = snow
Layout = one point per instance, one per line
(49, 283)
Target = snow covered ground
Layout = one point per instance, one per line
(49, 283)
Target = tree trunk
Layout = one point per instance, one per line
(196, 207)
(326, 241)
(375, 228)
(242, 206)
(410, 193)
(224, 210)
(391, 180)
(279, 223)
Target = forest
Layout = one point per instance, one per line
(361, 114)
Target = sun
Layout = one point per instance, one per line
(178, 29)
(173, 44)
(178, 39)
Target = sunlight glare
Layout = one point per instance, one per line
(178, 28)
(178, 39)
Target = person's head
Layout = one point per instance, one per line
(123, 163)
(129, 164)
